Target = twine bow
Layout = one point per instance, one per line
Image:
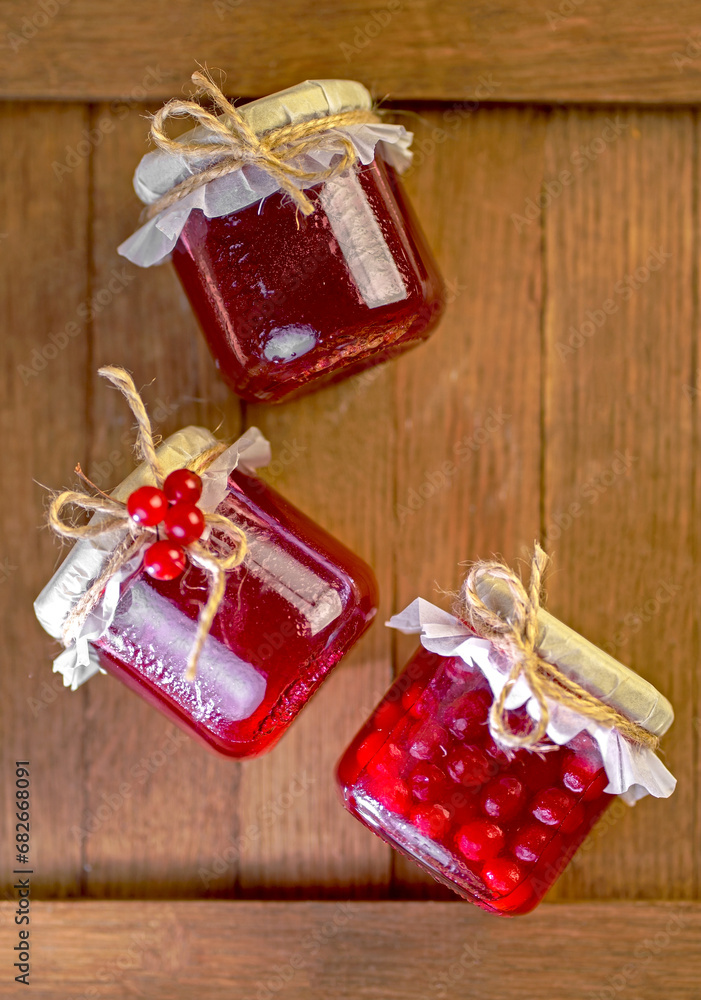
(116, 516)
(517, 638)
(235, 144)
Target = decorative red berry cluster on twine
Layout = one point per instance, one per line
(173, 504)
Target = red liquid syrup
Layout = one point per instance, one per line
(426, 776)
(289, 302)
(295, 606)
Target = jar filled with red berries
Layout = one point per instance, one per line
(497, 824)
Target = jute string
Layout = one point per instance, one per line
(115, 516)
(516, 639)
(235, 144)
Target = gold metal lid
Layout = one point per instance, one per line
(308, 100)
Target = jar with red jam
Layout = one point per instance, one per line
(497, 825)
(288, 301)
(294, 606)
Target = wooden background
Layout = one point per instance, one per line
(565, 372)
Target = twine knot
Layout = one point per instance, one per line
(516, 637)
(114, 515)
(233, 143)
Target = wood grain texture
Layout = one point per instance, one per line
(543, 51)
(379, 951)
(619, 450)
(43, 258)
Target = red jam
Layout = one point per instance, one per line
(294, 607)
(289, 302)
(496, 826)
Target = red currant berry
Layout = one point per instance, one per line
(530, 842)
(480, 840)
(431, 821)
(470, 767)
(502, 876)
(183, 486)
(147, 505)
(502, 798)
(551, 806)
(466, 717)
(184, 523)
(578, 772)
(164, 560)
(386, 715)
(597, 786)
(430, 741)
(369, 747)
(573, 820)
(428, 783)
(389, 762)
(392, 794)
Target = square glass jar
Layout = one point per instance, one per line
(297, 603)
(289, 302)
(496, 826)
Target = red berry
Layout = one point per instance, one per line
(431, 821)
(386, 715)
(369, 747)
(578, 772)
(466, 718)
(428, 783)
(412, 694)
(389, 762)
(430, 740)
(480, 840)
(470, 767)
(597, 786)
(184, 523)
(551, 806)
(393, 794)
(147, 505)
(164, 560)
(502, 876)
(183, 486)
(502, 798)
(538, 771)
(530, 842)
(573, 819)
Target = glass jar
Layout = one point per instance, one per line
(291, 610)
(288, 302)
(496, 825)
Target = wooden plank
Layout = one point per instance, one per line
(620, 327)
(136, 842)
(43, 351)
(541, 51)
(393, 951)
(468, 402)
